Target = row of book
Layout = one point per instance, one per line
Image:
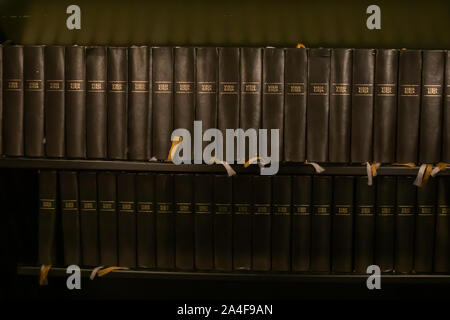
(213, 222)
(330, 105)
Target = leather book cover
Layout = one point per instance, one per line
(184, 221)
(318, 106)
(223, 223)
(96, 107)
(409, 92)
(149, 137)
(446, 121)
(203, 221)
(301, 222)
(441, 262)
(117, 99)
(342, 224)
(242, 222)
(261, 243)
(13, 109)
(33, 119)
(295, 79)
(126, 219)
(340, 105)
(89, 218)
(362, 105)
(75, 100)
(1, 99)
(165, 222)
(47, 220)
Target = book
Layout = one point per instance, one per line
(295, 78)
(68, 192)
(273, 97)
(425, 227)
(47, 221)
(281, 223)
(89, 225)
(409, 91)
(149, 136)
(404, 224)
(54, 107)
(261, 224)
(138, 102)
(223, 223)
(364, 238)
(340, 105)
(33, 72)
(117, 102)
(184, 221)
(184, 90)
(126, 219)
(13, 144)
(385, 223)
(318, 106)
(301, 222)
(1, 99)
(96, 104)
(162, 101)
(165, 222)
(362, 105)
(321, 223)
(107, 218)
(342, 226)
(250, 103)
(431, 106)
(206, 89)
(203, 221)
(242, 222)
(75, 102)
(446, 120)
(145, 220)
(441, 262)
(229, 96)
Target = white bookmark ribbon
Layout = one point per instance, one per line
(316, 166)
(227, 167)
(94, 272)
(420, 174)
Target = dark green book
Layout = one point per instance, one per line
(301, 222)
(262, 195)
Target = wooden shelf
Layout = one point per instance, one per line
(285, 168)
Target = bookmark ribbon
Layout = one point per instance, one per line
(43, 281)
(173, 148)
(316, 166)
(225, 164)
(300, 45)
(441, 166)
(423, 175)
(105, 271)
(371, 169)
(94, 272)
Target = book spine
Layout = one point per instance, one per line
(261, 242)
(409, 87)
(96, 108)
(295, 78)
(223, 223)
(340, 105)
(342, 227)
(318, 105)
(75, 114)
(431, 108)
(184, 90)
(162, 82)
(301, 223)
(281, 223)
(70, 217)
(273, 98)
(425, 228)
(385, 223)
(228, 99)
(242, 222)
(149, 146)
(47, 217)
(126, 213)
(364, 225)
(184, 221)
(206, 88)
(404, 224)
(446, 121)
(203, 222)
(1, 99)
(117, 102)
(54, 108)
(250, 104)
(13, 101)
(442, 240)
(385, 105)
(321, 223)
(165, 222)
(138, 102)
(89, 218)
(145, 218)
(362, 105)
(107, 218)
(33, 60)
